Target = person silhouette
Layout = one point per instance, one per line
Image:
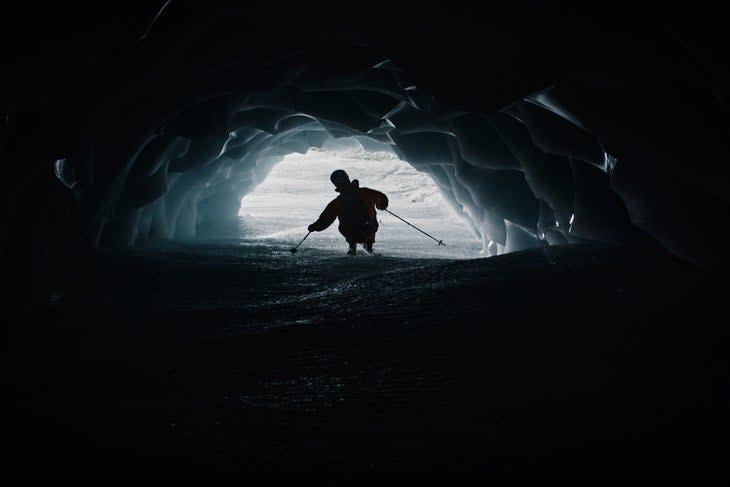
(355, 208)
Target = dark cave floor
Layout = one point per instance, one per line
(575, 360)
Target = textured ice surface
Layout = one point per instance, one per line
(298, 188)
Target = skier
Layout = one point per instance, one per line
(355, 208)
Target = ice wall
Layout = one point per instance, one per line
(546, 126)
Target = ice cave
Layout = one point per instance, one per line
(160, 161)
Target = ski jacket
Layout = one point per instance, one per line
(355, 209)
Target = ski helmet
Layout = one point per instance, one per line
(339, 178)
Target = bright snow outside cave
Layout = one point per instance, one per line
(298, 188)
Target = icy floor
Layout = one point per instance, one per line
(223, 288)
(297, 189)
(236, 354)
(237, 285)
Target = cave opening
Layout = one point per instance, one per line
(295, 192)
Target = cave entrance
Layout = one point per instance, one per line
(298, 188)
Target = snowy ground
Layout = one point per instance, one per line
(247, 359)
(296, 191)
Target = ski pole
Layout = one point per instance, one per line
(294, 249)
(441, 242)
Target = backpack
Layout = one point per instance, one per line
(355, 213)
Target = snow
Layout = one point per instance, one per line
(298, 188)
